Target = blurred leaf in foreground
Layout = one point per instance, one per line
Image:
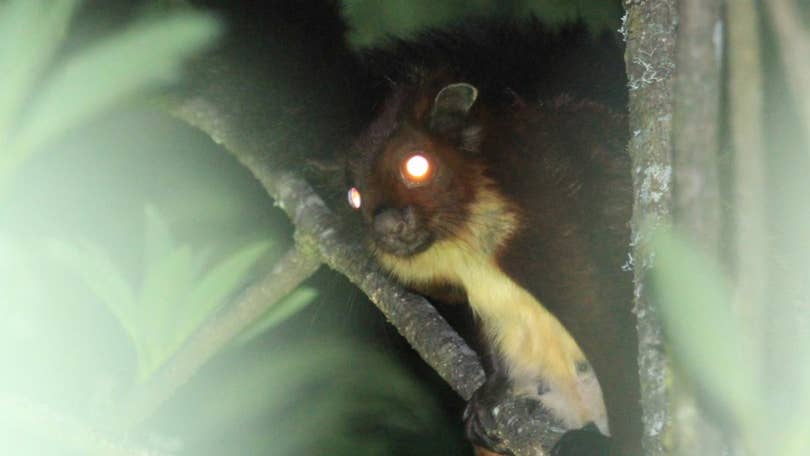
(173, 300)
(30, 33)
(145, 55)
(705, 334)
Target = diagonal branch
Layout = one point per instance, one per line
(285, 276)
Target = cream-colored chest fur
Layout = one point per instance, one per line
(533, 343)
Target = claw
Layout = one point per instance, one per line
(479, 416)
(480, 422)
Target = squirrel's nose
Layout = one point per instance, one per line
(389, 222)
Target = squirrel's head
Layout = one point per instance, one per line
(412, 174)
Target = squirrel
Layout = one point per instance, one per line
(516, 194)
(488, 163)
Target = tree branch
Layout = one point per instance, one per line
(649, 29)
(231, 321)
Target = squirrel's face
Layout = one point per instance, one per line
(412, 171)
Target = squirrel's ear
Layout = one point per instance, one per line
(455, 98)
(451, 105)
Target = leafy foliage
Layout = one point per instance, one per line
(175, 296)
(146, 55)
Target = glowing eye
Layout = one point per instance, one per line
(355, 200)
(416, 169)
(417, 166)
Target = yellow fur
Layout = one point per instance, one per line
(532, 341)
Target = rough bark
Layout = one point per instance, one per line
(649, 29)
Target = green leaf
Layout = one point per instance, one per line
(158, 242)
(219, 283)
(30, 33)
(102, 277)
(706, 337)
(279, 312)
(145, 55)
(162, 306)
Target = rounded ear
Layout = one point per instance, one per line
(455, 99)
(451, 106)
